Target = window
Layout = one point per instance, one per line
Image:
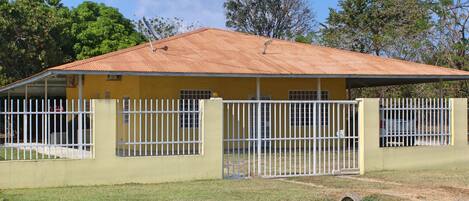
(307, 95)
(126, 109)
(189, 104)
(302, 114)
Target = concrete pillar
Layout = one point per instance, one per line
(368, 133)
(458, 122)
(212, 134)
(104, 128)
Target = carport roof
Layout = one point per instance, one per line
(222, 53)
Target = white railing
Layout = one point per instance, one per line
(158, 127)
(414, 122)
(36, 129)
(290, 138)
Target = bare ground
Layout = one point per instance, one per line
(430, 185)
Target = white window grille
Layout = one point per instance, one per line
(126, 108)
(190, 102)
(300, 114)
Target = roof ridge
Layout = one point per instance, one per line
(129, 49)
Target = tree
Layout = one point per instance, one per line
(381, 27)
(164, 27)
(34, 34)
(284, 19)
(451, 34)
(450, 39)
(309, 38)
(390, 28)
(98, 29)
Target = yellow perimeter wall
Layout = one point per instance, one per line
(374, 158)
(97, 86)
(107, 168)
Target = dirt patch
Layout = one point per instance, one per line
(402, 191)
(340, 192)
(371, 180)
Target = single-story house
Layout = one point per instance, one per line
(228, 64)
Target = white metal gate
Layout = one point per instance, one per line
(302, 138)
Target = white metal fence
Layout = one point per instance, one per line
(36, 129)
(290, 138)
(158, 127)
(414, 122)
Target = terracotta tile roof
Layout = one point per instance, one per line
(214, 51)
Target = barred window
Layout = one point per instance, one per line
(126, 108)
(189, 104)
(302, 114)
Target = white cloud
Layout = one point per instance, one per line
(205, 12)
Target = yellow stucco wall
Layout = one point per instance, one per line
(96, 86)
(374, 158)
(106, 168)
(157, 87)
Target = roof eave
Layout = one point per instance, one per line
(256, 75)
(51, 72)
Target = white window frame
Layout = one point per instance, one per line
(126, 108)
(310, 95)
(186, 104)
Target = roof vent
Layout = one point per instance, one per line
(266, 45)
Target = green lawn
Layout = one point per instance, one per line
(249, 189)
(384, 186)
(15, 154)
(254, 189)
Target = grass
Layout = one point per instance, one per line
(377, 186)
(18, 154)
(255, 189)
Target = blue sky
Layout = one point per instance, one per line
(207, 13)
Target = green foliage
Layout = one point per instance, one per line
(381, 27)
(34, 34)
(98, 29)
(432, 32)
(283, 19)
(309, 38)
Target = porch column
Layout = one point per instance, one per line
(258, 88)
(25, 116)
(80, 109)
(318, 91)
(349, 92)
(440, 88)
(80, 88)
(45, 90)
(9, 131)
(258, 97)
(46, 108)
